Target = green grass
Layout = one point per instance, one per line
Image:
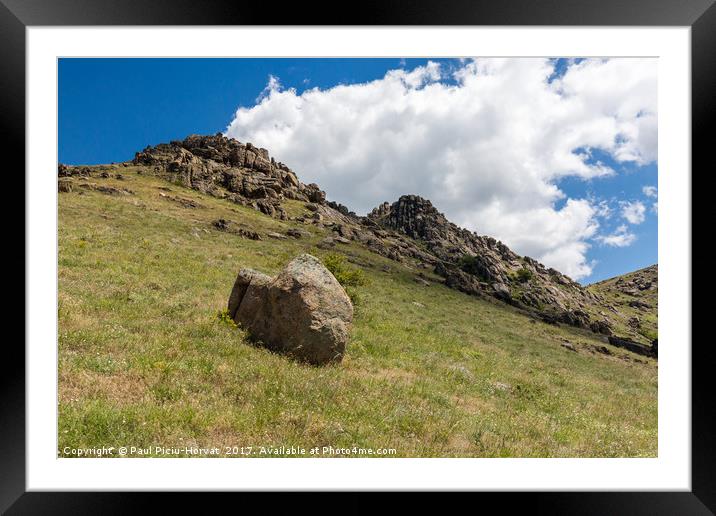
(145, 358)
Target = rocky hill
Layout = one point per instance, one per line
(225, 168)
(482, 265)
(632, 303)
(410, 231)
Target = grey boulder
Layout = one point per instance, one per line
(303, 312)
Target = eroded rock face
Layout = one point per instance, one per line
(478, 264)
(303, 312)
(229, 169)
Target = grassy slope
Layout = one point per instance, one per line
(429, 371)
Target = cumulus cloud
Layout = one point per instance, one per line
(622, 237)
(633, 211)
(486, 141)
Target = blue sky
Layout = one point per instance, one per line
(111, 108)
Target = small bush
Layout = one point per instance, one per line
(349, 277)
(524, 275)
(474, 265)
(345, 274)
(224, 318)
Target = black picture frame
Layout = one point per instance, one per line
(700, 15)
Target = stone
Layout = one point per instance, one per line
(315, 194)
(569, 346)
(502, 292)
(632, 346)
(635, 303)
(603, 327)
(109, 190)
(600, 349)
(232, 227)
(64, 185)
(326, 243)
(182, 201)
(303, 312)
(238, 293)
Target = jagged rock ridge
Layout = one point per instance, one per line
(226, 168)
(483, 265)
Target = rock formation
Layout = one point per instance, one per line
(303, 312)
(226, 168)
(482, 265)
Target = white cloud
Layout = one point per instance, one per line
(620, 238)
(634, 211)
(486, 145)
(649, 191)
(272, 85)
(602, 208)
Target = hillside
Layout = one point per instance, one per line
(410, 231)
(632, 301)
(148, 252)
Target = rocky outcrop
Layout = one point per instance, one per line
(63, 185)
(635, 347)
(232, 227)
(303, 312)
(417, 218)
(229, 169)
(478, 264)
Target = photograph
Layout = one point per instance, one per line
(357, 257)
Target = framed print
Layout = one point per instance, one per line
(419, 252)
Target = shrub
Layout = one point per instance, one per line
(474, 265)
(349, 277)
(524, 275)
(345, 274)
(224, 318)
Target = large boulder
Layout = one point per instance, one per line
(303, 312)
